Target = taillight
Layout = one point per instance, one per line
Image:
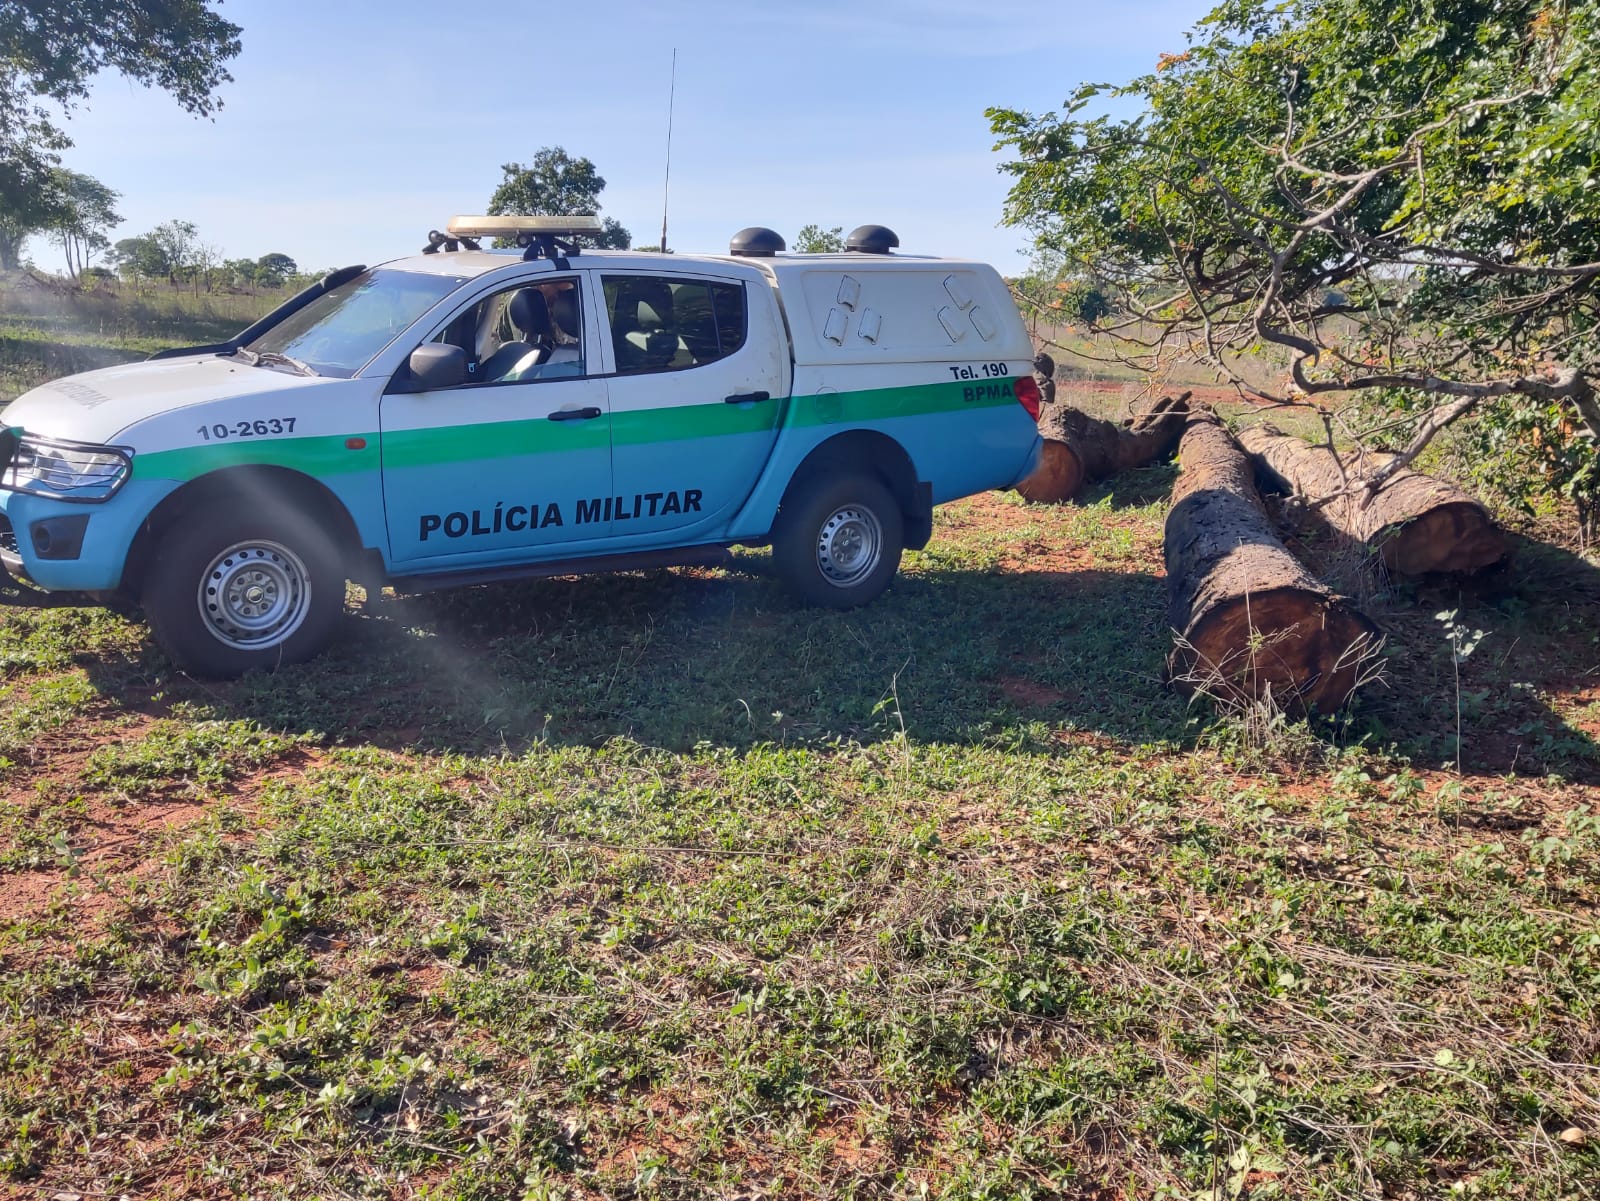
(1027, 390)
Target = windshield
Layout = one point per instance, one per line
(339, 332)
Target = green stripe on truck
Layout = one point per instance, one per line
(325, 455)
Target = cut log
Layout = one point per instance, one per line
(1249, 618)
(1079, 449)
(1416, 523)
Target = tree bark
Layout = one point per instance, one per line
(1079, 449)
(1250, 620)
(1417, 524)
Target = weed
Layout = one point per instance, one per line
(198, 755)
(1463, 641)
(1255, 726)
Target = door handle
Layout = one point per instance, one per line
(739, 398)
(588, 414)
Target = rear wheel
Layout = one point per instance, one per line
(226, 594)
(837, 542)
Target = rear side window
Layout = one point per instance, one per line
(662, 323)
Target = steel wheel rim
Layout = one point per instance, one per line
(849, 546)
(255, 594)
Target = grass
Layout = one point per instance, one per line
(658, 886)
(45, 333)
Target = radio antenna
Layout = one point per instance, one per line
(666, 182)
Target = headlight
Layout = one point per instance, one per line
(61, 470)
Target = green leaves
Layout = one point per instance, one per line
(813, 239)
(556, 184)
(53, 48)
(1397, 196)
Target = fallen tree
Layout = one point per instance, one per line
(1079, 449)
(1249, 619)
(1416, 523)
(1345, 189)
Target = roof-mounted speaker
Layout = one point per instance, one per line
(757, 242)
(871, 239)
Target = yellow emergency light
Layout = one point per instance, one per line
(511, 226)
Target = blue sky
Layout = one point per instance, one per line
(351, 128)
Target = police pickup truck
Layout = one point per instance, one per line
(472, 414)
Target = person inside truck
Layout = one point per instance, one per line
(545, 334)
(566, 351)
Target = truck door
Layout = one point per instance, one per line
(698, 390)
(515, 461)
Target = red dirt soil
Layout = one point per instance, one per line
(113, 845)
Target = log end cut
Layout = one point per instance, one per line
(1459, 537)
(1079, 449)
(1417, 523)
(1057, 478)
(1251, 620)
(1303, 647)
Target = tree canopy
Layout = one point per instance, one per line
(55, 47)
(51, 50)
(30, 201)
(76, 210)
(813, 239)
(170, 251)
(556, 184)
(274, 268)
(88, 213)
(1395, 197)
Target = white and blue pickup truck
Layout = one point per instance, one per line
(470, 415)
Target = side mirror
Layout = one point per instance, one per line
(437, 366)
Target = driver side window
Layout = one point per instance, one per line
(522, 334)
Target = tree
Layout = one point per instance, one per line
(273, 269)
(205, 261)
(813, 239)
(556, 184)
(136, 259)
(269, 271)
(54, 48)
(1398, 199)
(29, 202)
(75, 209)
(50, 50)
(1060, 295)
(28, 155)
(172, 250)
(175, 246)
(88, 213)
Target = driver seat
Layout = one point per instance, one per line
(530, 317)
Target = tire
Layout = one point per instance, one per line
(227, 593)
(837, 541)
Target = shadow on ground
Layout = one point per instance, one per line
(1529, 690)
(678, 658)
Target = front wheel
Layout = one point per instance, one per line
(837, 542)
(226, 594)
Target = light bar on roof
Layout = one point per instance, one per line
(510, 227)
